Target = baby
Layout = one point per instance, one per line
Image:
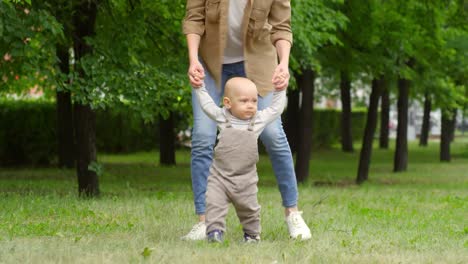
(233, 174)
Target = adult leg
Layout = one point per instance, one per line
(203, 140)
(277, 146)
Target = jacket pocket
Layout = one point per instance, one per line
(257, 21)
(212, 11)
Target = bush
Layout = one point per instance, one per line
(28, 131)
(326, 127)
(121, 132)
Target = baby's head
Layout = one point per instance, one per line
(240, 97)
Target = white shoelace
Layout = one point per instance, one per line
(196, 227)
(296, 219)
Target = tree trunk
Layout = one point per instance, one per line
(464, 125)
(306, 84)
(167, 141)
(401, 150)
(445, 136)
(384, 118)
(292, 118)
(346, 135)
(85, 118)
(368, 139)
(84, 18)
(65, 138)
(453, 126)
(426, 120)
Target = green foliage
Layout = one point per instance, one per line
(351, 54)
(97, 168)
(381, 37)
(23, 2)
(314, 24)
(147, 252)
(444, 67)
(27, 132)
(27, 38)
(138, 59)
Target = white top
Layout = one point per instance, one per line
(262, 119)
(234, 51)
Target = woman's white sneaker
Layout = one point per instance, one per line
(298, 229)
(198, 232)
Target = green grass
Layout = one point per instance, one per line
(419, 216)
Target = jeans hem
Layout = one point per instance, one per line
(290, 206)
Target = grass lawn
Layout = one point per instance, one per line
(419, 216)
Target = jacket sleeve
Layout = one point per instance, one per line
(194, 21)
(280, 20)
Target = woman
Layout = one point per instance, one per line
(243, 38)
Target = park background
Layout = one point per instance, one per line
(95, 116)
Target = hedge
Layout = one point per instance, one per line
(28, 131)
(326, 127)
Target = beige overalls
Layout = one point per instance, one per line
(233, 178)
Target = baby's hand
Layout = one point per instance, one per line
(281, 77)
(196, 74)
(199, 77)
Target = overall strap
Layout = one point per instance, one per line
(252, 122)
(228, 123)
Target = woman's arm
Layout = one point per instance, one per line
(196, 73)
(281, 37)
(281, 75)
(194, 28)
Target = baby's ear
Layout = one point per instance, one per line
(227, 102)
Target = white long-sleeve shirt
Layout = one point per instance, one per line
(220, 115)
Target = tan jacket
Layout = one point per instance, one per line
(264, 22)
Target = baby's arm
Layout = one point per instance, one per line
(208, 105)
(275, 109)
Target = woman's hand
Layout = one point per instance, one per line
(281, 77)
(196, 74)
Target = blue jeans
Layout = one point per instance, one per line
(204, 139)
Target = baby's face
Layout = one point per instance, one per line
(244, 102)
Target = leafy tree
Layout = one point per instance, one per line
(408, 33)
(314, 25)
(347, 59)
(136, 60)
(127, 54)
